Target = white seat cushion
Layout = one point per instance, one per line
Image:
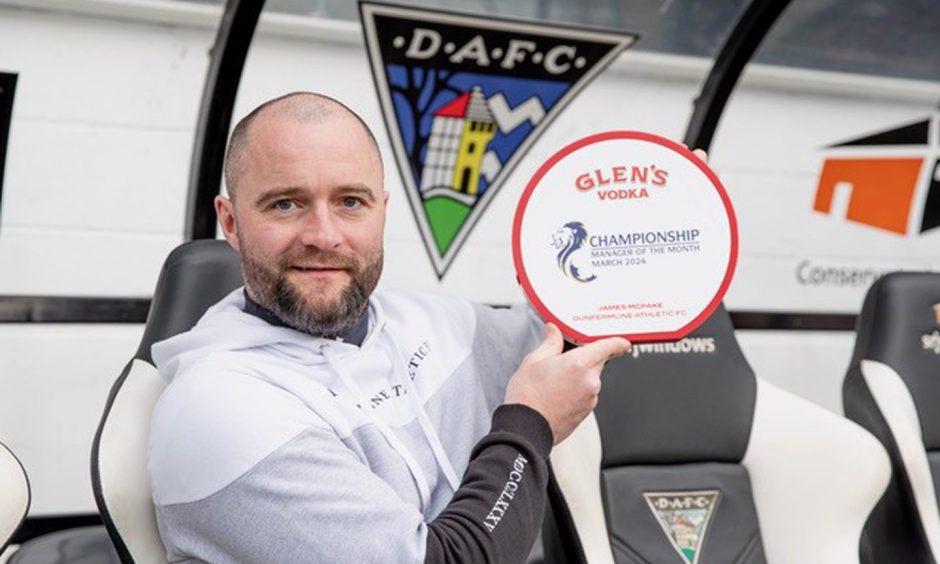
(122, 463)
(815, 476)
(897, 406)
(14, 495)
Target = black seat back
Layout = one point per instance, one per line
(194, 276)
(893, 390)
(690, 458)
(674, 421)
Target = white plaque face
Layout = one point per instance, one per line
(625, 233)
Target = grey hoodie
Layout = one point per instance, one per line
(270, 445)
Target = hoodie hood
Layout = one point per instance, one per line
(226, 327)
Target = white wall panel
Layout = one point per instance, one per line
(99, 150)
(77, 262)
(102, 178)
(98, 70)
(54, 381)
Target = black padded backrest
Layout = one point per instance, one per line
(898, 326)
(195, 276)
(688, 401)
(698, 460)
(673, 420)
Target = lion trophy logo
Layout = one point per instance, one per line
(568, 240)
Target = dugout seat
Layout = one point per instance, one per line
(892, 388)
(195, 276)
(14, 495)
(692, 459)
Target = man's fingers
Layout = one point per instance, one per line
(550, 346)
(597, 352)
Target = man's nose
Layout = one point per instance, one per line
(321, 230)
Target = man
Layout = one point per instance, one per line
(310, 420)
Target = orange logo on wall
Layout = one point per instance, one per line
(877, 184)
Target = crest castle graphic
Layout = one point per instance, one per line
(888, 180)
(684, 517)
(464, 98)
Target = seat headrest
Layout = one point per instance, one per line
(687, 401)
(897, 314)
(900, 326)
(195, 276)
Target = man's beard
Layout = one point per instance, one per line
(269, 286)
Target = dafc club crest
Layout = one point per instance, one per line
(684, 517)
(464, 98)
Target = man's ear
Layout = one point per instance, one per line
(225, 211)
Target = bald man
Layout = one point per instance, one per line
(309, 418)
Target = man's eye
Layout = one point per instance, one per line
(283, 205)
(351, 202)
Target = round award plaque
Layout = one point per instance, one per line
(625, 233)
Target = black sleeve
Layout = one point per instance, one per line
(496, 512)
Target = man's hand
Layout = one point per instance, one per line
(563, 387)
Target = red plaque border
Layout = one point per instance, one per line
(544, 311)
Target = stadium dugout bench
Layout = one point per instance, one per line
(691, 458)
(892, 388)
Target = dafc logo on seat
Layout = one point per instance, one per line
(684, 517)
(464, 98)
(880, 179)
